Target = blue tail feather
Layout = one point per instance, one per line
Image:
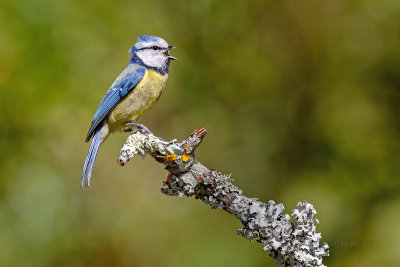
(91, 157)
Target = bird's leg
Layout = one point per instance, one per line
(140, 126)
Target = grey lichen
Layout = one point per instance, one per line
(141, 143)
(293, 243)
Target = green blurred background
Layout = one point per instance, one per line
(300, 99)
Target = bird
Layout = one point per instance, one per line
(130, 96)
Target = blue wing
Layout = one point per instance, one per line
(113, 96)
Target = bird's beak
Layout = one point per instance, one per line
(171, 57)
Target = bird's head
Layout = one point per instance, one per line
(152, 51)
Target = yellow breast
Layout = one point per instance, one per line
(138, 101)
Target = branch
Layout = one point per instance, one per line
(294, 243)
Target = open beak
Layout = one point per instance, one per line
(171, 57)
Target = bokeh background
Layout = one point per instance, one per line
(300, 99)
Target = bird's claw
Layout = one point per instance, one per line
(139, 126)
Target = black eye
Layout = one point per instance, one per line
(155, 47)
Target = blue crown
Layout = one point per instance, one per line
(148, 38)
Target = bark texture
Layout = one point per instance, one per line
(293, 243)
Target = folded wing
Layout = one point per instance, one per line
(115, 94)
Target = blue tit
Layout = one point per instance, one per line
(131, 95)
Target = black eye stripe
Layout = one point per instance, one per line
(152, 47)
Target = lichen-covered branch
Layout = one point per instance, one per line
(293, 243)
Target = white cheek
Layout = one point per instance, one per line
(152, 58)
